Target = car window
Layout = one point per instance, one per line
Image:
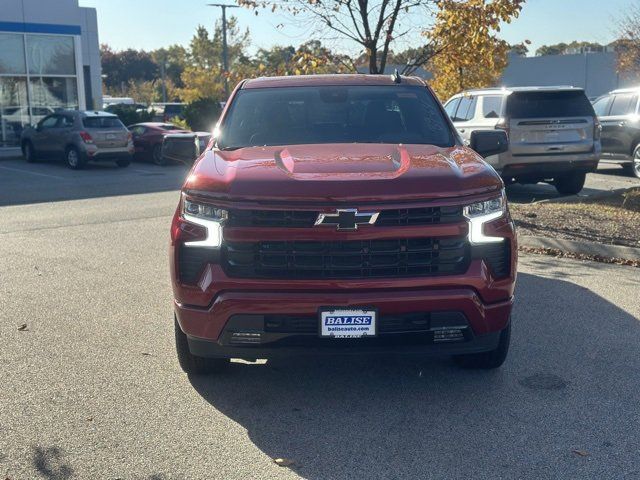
(65, 122)
(564, 103)
(138, 130)
(102, 122)
(601, 105)
(451, 106)
(623, 104)
(173, 109)
(168, 126)
(49, 122)
(334, 114)
(492, 106)
(466, 109)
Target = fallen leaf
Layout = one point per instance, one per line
(23, 327)
(89, 419)
(147, 354)
(582, 453)
(283, 462)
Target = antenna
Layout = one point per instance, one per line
(396, 77)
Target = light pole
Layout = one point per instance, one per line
(225, 59)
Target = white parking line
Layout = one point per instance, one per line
(33, 173)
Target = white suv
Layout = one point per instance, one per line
(554, 135)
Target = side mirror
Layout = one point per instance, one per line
(181, 147)
(489, 142)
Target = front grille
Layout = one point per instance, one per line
(347, 259)
(306, 218)
(409, 322)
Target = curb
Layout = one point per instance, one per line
(580, 198)
(581, 248)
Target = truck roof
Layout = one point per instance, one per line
(336, 79)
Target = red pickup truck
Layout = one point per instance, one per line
(342, 214)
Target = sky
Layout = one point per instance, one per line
(150, 24)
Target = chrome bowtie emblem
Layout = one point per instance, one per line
(347, 219)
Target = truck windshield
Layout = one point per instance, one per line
(334, 114)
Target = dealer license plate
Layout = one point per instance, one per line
(347, 323)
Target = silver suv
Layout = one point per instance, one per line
(554, 135)
(78, 137)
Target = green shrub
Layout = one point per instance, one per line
(130, 114)
(202, 114)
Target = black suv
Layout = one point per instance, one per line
(620, 119)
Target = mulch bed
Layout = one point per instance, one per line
(612, 220)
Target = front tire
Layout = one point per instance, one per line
(633, 168)
(29, 152)
(73, 159)
(570, 184)
(192, 364)
(156, 156)
(487, 360)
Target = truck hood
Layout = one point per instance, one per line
(341, 172)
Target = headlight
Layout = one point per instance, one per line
(207, 216)
(204, 211)
(482, 212)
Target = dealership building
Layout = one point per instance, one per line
(49, 60)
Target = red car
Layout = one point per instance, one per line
(342, 214)
(147, 140)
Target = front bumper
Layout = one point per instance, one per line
(251, 325)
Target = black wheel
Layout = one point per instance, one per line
(487, 360)
(570, 184)
(29, 152)
(633, 168)
(156, 156)
(192, 364)
(123, 162)
(73, 159)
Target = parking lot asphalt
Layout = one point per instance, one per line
(91, 387)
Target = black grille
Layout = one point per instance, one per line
(409, 322)
(192, 260)
(349, 259)
(306, 219)
(497, 256)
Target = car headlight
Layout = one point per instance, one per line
(207, 216)
(482, 212)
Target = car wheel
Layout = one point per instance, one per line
(73, 158)
(192, 364)
(123, 162)
(634, 167)
(487, 360)
(29, 152)
(156, 156)
(570, 184)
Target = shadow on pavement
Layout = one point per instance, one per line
(570, 385)
(23, 183)
(51, 463)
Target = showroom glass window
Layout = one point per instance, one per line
(14, 106)
(37, 77)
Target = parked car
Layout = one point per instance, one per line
(165, 112)
(185, 147)
(554, 135)
(147, 140)
(108, 101)
(341, 214)
(619, 115)
(78, 137)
